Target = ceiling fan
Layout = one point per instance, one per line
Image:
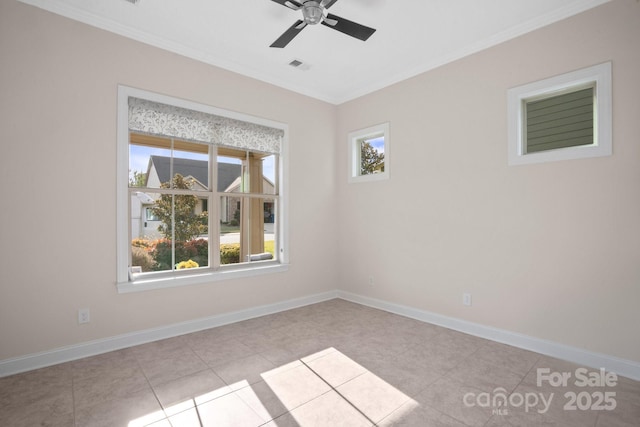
(315, 12)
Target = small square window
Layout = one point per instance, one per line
(369, 154)
(564, 117)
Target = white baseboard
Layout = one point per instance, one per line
(623, 367)
(91, 348)
(626, 368)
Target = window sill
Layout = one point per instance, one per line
(196, 279)
(369, 178)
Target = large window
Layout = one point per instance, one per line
(560, 118)
(200, 193)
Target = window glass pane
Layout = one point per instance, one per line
(190, 165)
(230, 217)
(167, 229)
(270, 232)
(145, 218)
(142, 150)
(371, 154)
(145, 236)
(192, 253)
(242, 171)
(269, 174)
(249, 233)
(230, 175)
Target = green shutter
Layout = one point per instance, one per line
(560, 121)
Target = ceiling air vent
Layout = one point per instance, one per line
(296, 63)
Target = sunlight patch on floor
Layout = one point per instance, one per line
(326, 388)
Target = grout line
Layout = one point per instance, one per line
(373, 423)
(197, 413)
(153, 390)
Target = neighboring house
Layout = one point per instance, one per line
(145, 223)
(230, 205)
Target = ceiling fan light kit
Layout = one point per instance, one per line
(312, 12)
(315, 12)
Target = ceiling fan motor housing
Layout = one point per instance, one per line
(313, 13)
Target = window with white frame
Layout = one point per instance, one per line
(200, 193)
(561, 118)
(368, 153)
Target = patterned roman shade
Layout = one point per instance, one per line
(154, 118)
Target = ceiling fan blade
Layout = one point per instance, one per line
(288, 35)
(292, 4)
(330, 22)
(350, 28)
(327, 3)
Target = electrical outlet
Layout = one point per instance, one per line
(466, 299)
(371, 281)
(83, 316)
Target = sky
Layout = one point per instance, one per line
(377, 143)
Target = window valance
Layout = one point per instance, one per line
(154, 118)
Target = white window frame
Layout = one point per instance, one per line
(124, 282)
(354, 142)
(598, 75)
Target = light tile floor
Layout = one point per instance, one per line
(334, 364)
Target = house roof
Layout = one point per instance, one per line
(197, 169)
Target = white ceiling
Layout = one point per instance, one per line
(413, 36)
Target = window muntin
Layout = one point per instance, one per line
(577, 107)
(187, 188)
(369, 154)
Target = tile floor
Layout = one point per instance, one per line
(329, 364)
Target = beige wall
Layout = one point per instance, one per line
(550, 250)
(58, 88)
